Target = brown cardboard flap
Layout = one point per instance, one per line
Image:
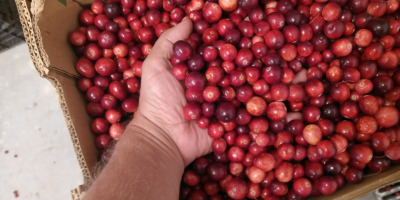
(73, 104)
(55, 23)
(45, 47)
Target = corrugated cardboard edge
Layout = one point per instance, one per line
(78, 193)
(32, 38)
(41, 62)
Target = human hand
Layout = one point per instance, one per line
(159, 142)
(162, 99)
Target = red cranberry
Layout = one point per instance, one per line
(334, 29)
(212, 12)
(262, 28)
(327, 185)
(333, 167)
(247, 5)
(286, 151)
(314, 170)
(116, 130)
(312, 134)
(278, 188)
(97, 7)
(311, 114)
(360, 153)
(276, 110)
(354, 175)
(379, 164)
(275, 39)
(331, 11)
(92, 51)
(342, 47)
(113, 116)
(100, 126)
(326, 148)
(182, 49)
(129, 105)
(103, 141)
(387, 116)
(216, 171)
(225, 112)
(112, 10)
(367, 125)
(85, 67)
(255, 174)
(84, 84)
(237, 188)
(379, 27)
(256, 106)
(284, 172)
(379, 141)
(313, 154)
(192, 111)
(118, 90)
(195, 81)
(265, 162)
(340, 92)
(340, 143)
(392, 152)
(276, 20)
(244, 58)
(94, 94)
(303, 187)
(105, 66)
(272, 74)
(314, 88)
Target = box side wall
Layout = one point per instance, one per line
(46, 27)
(55, 23)
(73, 104)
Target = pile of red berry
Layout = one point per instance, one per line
(242, 67)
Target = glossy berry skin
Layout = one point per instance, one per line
(225, 112)
(182, 50)
(303, 187)
(237, 188)
(327, 185)
(195, 81)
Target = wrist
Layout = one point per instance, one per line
(143, 154)
(154, 139)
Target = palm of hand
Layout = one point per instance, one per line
(162, 100)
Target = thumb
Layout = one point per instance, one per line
(163, 47)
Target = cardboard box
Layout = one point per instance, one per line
(47, 25)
